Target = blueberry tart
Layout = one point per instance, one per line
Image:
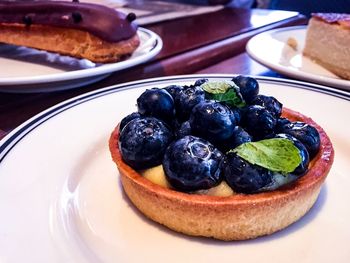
(242, 168)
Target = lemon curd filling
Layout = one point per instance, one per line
(157, 176)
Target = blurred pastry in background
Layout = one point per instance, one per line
(82, 30)
(327, 42)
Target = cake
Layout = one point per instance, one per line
(327, 42)
(81, 30)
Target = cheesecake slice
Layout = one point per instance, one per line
(328, 42)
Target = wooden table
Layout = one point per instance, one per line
(208, 43)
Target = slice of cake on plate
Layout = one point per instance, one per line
(328, 42)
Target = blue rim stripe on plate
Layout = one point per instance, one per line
(14, 137)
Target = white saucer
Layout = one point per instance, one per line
(28, 70)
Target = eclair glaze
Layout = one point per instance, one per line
(101, 21)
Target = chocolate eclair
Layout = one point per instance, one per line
(81, 30)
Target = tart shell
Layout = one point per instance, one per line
(237, 217)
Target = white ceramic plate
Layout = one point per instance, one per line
(270, 49)
(61, 199)
(29, 70)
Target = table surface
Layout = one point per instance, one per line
(207, 43)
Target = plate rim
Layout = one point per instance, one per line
(12, 138)
(301, 75)
(89, 72)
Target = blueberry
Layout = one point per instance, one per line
(191, 164)
(143, 141)
(270, 103)
(183, 130)
(212, 121)
(173, 90)
(157, 103)
(306, 134)
(238, 113)
(244, 177)
(187, 99)
(281, 122)
(258, 122)
(238, 137)
(249, 87)
(200, 82)
(302, 168)
(128, 118)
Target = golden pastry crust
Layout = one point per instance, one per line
(237, 217)
(66, 41)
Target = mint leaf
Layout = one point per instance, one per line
(277, 154)
(230, 98)
(215, 87)
(224, 91)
